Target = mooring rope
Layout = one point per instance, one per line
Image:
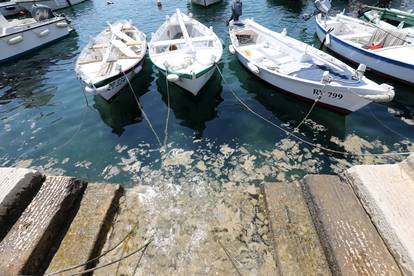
(289, 133)
(144, 247)
(168, 110)
(127, 236)
(142, 110)
(231, 259)
(296, 129)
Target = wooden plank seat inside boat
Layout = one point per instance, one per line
(182, 41)
(124, 48)
(106, 45)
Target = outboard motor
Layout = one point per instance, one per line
(41, 12)
(323, 6)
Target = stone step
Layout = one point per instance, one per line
(387, 193)
(87, 233)
(297, 247)
(17, 189)
(350, 240)
(29, 243)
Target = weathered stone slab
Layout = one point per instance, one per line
(17, 189)
(297, 247)
(88, 230)
(351, 242)
(27, 246)
(387, 193)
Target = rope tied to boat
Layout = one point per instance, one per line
(142, 109)
(299, 138)
(168, 108)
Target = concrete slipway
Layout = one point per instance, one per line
(360, 223)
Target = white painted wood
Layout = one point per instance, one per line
(397, 62)
(29, 31)
(187, 49)
(117, 51)
(387, 193)
(299, 69)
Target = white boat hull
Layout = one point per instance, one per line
(193, 85)
(53, 4)
(335, 97)
(205, 3)
(111, 89)
(375, 62)
(14, 45)
(9, 8)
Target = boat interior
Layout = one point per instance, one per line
(119, 45)
(185, 44)
(283, 57)
(368, 37)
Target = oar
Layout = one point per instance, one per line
(324, 39)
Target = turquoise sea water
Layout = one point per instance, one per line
(45, 122)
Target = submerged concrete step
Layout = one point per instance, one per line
(351, 242)
(17, 189)
(88, 230)
(387, 193)
(297, 247)
(27, 246)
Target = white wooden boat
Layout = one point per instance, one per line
(53, 4)
(9, 8)
(386, 51)
(18, 37)
(302, 70)
(186, 51)
(116, 52)
(205, 3)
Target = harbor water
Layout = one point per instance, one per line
(48, 123)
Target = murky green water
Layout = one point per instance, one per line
(46, 124)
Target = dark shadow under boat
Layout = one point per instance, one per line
(122, 110)
(289, 109)
(193, 111)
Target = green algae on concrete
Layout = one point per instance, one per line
(88, 230)
(186, 221)
(297, 247)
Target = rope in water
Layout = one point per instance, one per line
(291, 134)
(297, 128)
(142, 110)
(168, 110)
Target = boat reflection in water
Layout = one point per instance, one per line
(123, 109)
(291, 110)
(193, 111)
(25, 78)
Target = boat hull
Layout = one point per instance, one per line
(31, 39)
(336, 98)
(398, 70)
(205, 3)
(193, 85)
(53, 4)
(109, 90)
